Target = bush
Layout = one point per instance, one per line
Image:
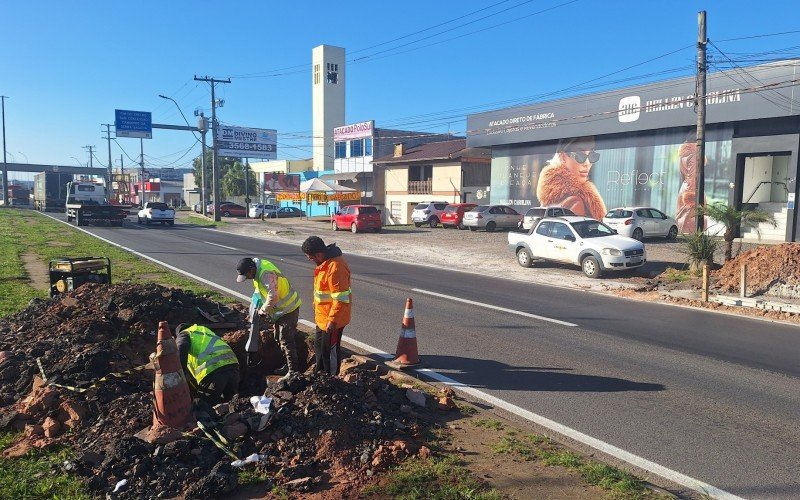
(699, 249)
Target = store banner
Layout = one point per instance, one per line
(318, 196)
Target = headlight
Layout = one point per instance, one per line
(612, 251)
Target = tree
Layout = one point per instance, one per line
(233, 181)
(224, 164)
(734, 220)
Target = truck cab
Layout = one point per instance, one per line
(87, 203)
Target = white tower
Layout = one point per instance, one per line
(327, 89)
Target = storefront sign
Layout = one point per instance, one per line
(319, 196)
(354, 131)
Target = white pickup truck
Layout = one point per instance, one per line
(585, 242)
(156, 212)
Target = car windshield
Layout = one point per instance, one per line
(450, 209)
(592, 229)
(158, 206)
(618, 213)
(480, 208)
(535, 212)
(367, 210)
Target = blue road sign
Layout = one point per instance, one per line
(138, 124)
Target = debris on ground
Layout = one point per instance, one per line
(771, 270)
(320, 433)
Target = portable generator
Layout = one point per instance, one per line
(67, 274)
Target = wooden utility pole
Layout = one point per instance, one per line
(700, 109)
(214, 161)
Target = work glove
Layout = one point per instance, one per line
(265, 310)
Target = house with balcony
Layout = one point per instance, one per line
(445, 171)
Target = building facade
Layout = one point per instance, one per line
(638, 147)
(444, 171)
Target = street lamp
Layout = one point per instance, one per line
(77, 161)
(26, 156)
(202, 153)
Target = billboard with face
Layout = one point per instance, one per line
(593, 175)
(278, 182)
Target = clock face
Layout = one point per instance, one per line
(333, 77)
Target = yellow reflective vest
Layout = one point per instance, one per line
(207, 352)
(288, 299)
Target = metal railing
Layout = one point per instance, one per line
(420, 187)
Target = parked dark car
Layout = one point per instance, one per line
(285, 212)
(230, 210)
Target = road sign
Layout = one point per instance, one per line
(241, 142)
(138, 124)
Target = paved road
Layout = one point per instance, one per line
(711, 396)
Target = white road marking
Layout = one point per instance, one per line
(496, 308)
(595, 443)
(223, 246)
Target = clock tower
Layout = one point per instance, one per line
(328, 91)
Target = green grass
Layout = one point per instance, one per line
(676, 275)
(249, 476)
(26, 230)
(202, 221)
(433, 478)
(524, 447)
(488, 423)
(37, 475)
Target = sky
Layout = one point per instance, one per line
(415, 65)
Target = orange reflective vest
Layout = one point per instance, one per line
(332, 295)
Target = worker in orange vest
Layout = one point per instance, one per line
(332, 301)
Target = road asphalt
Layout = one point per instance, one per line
(710, 396)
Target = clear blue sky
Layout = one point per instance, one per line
(67, 65)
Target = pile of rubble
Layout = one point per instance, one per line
(321, 433)
(771, 270)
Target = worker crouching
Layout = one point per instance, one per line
(211, 367)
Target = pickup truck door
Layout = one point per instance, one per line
(540, 241)
(563, 242)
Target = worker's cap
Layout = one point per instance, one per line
(245, 266)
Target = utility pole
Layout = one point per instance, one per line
(700, 97)
(215, 166)
(90, 149)
(108, 138)
(246, 190)
(121, 164)
(141, 164)
(5, 166)
(202, 124)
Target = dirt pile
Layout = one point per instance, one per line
(771, 270)
(323, 434)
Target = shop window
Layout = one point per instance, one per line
(368, 146)
(357, 148)
(340, 150)
(420, 172)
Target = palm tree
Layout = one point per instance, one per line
(733, 220)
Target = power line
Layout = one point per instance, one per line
(759, 36)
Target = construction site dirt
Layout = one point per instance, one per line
(327, 436)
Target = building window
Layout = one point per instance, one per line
(368, 146)
(357, 148)
(420, 172)
(396, 208)
(340, 150)
(316, 74)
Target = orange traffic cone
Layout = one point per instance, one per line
(407, 355)
(172, 401)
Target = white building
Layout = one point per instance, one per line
(328, 94)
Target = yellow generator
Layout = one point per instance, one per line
(67, 274)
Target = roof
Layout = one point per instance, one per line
(436, 151)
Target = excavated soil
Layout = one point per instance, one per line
(771, 270)
(326, 437)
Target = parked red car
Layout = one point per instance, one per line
(454, 214)
(230, 210)
(357, 218)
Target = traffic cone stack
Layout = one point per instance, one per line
(172, 401)
(407, 355)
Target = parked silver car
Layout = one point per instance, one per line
(533, 215)
(641, 222)
(429, 213)
(491, 217)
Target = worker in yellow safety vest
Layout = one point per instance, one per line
(275, 299)
(210, 364)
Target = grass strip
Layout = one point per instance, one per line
(15, 292)
(431, 478)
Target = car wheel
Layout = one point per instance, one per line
(138, 220)
(461, 226)
(673, 233)
(433, 222)
(638, 234)
(591, 267)
(491, 226)
(377, 230)
(473, 228)
(171, 223)
(163, 222)
(147, 221)
(334, 226)
(524, 258)
(226, 214)
(417, 224)
(353, 228)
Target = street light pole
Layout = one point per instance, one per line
(26, 156)
(5, 166)
(202, 125)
